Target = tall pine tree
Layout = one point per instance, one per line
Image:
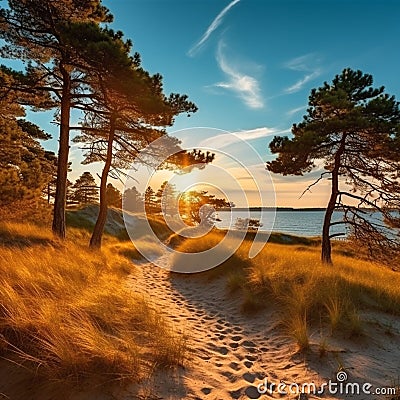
(355, 130)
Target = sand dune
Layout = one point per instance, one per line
(230, 353)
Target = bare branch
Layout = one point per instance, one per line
(308, 189)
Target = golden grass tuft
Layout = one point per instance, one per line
(297, 327)
(336, 309)
(69, 316)
(301, 286)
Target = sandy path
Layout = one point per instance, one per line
(230, 354)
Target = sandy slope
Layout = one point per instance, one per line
(230, 353)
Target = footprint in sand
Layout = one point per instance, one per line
(252, 392)
(232, 377)
(260, 375)
(236, 394)
(273, 375)
(199, 314)
(239, 357)
(234, 365)
(249, 377)
(219, 349)
(248, 364)
(206, 390)
(249, 345)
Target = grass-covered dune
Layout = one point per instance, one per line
(68, 318)
(291, 277)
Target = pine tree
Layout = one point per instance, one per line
(132, 200)
(114, 197)
(85, 190)
(123, 113)
(150, 200)
(167, 199)
(355, 129)
(200, 207)
(25, 167)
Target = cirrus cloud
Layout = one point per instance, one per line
(302, 64)
(226, 139)
(246, 87)
(212, 27)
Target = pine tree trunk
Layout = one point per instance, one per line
(95, 240)
(62, 164)
(326, 248)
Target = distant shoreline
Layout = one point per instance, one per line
(272, 209)
(277, 209)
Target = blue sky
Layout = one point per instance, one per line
(249, 65)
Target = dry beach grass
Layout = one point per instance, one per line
(74, 321)
(292, 277)
(68, 318)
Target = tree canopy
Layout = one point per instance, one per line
(25, 167)
(132, 199)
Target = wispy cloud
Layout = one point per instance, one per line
(295, 110)
(300, 83)
(227, 139)
(245, 86)
(213, 26)
(302, 64)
